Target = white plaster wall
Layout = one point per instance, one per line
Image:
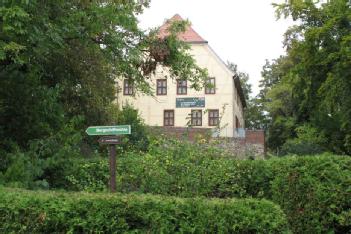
(151, 107)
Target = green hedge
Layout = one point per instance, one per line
(314, 191)
(47, 212)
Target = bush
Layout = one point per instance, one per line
(38, 212)
(87, 175)
(308, 141)
(314, 191)
(138, 139)
(45, 162)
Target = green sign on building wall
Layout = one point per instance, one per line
(190, 102)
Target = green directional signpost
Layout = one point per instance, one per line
(108, 130)
(110, 136)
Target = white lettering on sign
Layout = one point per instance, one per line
(104, 130)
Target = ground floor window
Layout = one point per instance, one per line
(213, 117)
(196, 118)
(168, 118)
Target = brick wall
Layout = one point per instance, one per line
(254, 136)
(252, 146)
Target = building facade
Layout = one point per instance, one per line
(219, 106)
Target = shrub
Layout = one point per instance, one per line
(315, 193)
(38, 212)
(87, 175)
(308, 141)
(138, 139)
(45, 162)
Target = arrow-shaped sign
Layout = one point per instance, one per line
(108, 130)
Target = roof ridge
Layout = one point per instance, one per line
(189, 35)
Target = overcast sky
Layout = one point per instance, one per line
(245, 32)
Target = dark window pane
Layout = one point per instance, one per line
(128, 87)
(196, 118)
(213, 117)
(161, 87)
(210, 87)
(181, 87)
(168, 118)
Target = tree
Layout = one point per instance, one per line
(310, 86)
(254, 112)
(61, 59)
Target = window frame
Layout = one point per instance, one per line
(211, 90)
(237, 122)
(213, 118)
(185, 87)
(168, 118)
(162, 89)
(128, 87)
(196, 118)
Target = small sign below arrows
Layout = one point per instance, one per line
(110, 140)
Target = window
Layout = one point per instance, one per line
(128, 88)
(161, 87)
(168, 118)
(237, 123)
(210, 87)
(181, 87)
(213, 117)
(196, 118)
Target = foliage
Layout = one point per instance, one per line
(87, 175)
(24, 211)
(44, 164)
(311, 85)
(174, 168)
(138, 140)
(308, 141)
(255, 117)
(314, 193)
(62, 59)
(244, 79)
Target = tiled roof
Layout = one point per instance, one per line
(188, 36)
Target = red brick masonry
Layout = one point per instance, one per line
(254, 139)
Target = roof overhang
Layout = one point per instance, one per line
(240, 90)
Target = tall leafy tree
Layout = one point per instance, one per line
(311, 85)
(60, 59)
(254, 112)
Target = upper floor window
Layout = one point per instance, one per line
(168, 118)
(196, 118)
(182, 87)
(128, 87)
(213, 117)
(210, 87)
(161, 87)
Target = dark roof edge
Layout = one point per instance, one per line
(197, 42)
(240, 90)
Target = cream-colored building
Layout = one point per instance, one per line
(175, 104)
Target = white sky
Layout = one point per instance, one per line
(245, 32)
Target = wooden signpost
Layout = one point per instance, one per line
(110, 137)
